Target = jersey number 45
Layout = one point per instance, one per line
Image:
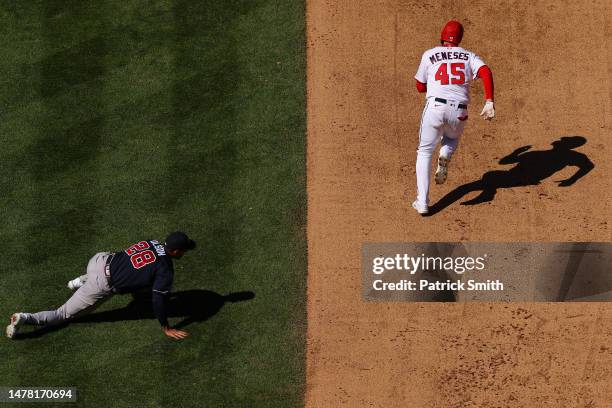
(456, 76)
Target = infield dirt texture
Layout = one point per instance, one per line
(128, 119)
(124, 120)
(552, 67)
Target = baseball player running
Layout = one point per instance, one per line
(147, 264)
(445, 73)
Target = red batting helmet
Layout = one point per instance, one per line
(452, 32)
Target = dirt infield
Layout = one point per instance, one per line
(552, 66)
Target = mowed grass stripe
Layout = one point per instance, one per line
(181, 114)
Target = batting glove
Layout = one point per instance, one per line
(488, 112)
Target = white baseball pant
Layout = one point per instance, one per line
(93, 292)
(441, 122)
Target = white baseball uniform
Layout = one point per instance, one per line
(448, 72)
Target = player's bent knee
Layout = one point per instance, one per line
(426, 149)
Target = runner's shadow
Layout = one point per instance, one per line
(530, 169)
(193, 306)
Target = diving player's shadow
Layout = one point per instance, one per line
(193, 306)
(531, 168)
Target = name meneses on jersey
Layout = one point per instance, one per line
(441, 56)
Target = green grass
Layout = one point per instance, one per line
(123, 120)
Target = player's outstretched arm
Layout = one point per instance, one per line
(174, 333)
(160, 310)
(488, 111)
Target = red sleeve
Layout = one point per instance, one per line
(421, 87)
(487, 80)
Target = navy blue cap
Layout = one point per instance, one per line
(179, 240)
